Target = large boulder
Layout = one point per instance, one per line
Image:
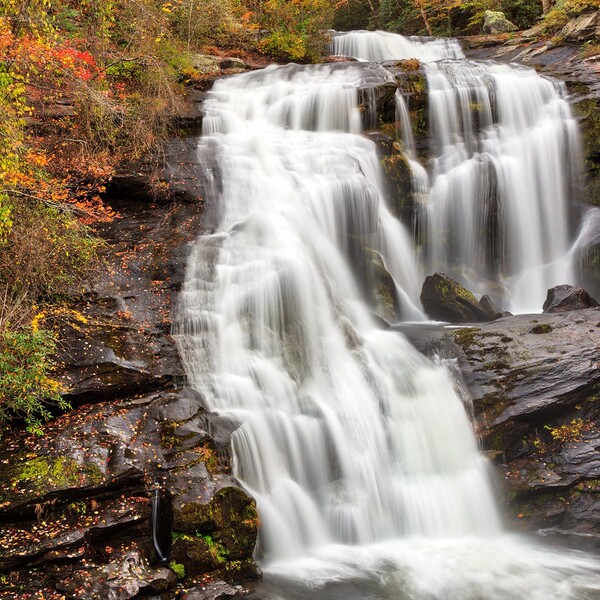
(491, 309)
(495, 22)
(446, 300)
(563, 298)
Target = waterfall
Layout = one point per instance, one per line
(380, 46)
(504, 156)
(357, 448)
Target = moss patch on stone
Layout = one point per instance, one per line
(399, 177)
(465, 337)
(217, 537)
(40, 475)
(541, 328)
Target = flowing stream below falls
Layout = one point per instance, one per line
(359, 450)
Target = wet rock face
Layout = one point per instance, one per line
(446, 300)
(126, 578)
(376, 282)
(115, 339)
(400, 198)
(563, 298)
(535, 383)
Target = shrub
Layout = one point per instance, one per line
(27, 390)
(577, 7)
(47, 253)
(557, 17)
(570, 432)
(295, 28)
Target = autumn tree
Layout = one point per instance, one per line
(294, 28)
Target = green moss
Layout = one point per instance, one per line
(37, 476)
(93, 473)
(178, 569)
(540, 329)
(419, 122)
(168, 439)
(494, 403)
(217, 551)
(412, 82)
(46, 470)
(466, 336)
(177, 535)
(387, 128)
(590, 485)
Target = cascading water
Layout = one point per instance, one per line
(357, 448)
(504, 156)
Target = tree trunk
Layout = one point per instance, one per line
(426, 20)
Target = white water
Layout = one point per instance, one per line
(380, 46)
(504, 155)
(357, 448)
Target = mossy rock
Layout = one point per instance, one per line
(219, 535)
(413, 86)
(237, 571)
(383, 294)
(33, 478)
(413, 83)
(377, 104)
(198, 554)
(495, 22)
(446, 300)
(377, 284)
(229, 517)
(399, 179)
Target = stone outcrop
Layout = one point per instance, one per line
(115, 338)
(376, 282)
(535, 382)
(399, 177)
(582, 28)
(83, 492)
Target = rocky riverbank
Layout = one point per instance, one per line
(535, 385)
